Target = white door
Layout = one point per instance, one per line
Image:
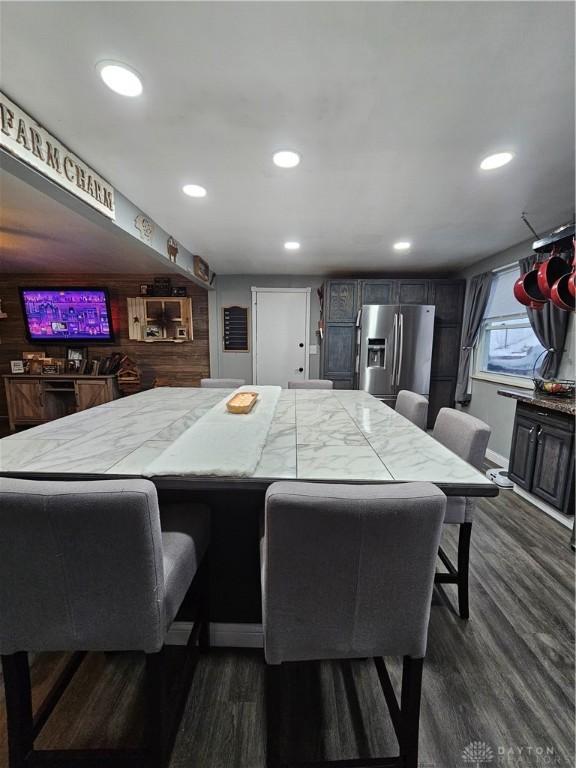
(280, 331)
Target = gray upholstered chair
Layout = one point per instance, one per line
(221, 383)
(347, 572)
(94, 566)
(413, 407)
(467, 437)
(311, 384)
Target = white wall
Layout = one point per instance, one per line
(235, 289)
(486, 403)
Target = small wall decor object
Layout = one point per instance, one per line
(172, 248)
(51, 366)
(35, 367)
(162, 286)
(201, 269)
(181, 333)
(145, 289)
(180, 291)
(145, 227)
(2, 314)
(153, 332)
(73, 366)
(17, 366)
(75, 353)
(235, 331)
(128, 376)
(158, 318)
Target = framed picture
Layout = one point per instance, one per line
(145, 289)
(153, 332)
(201, 269)
(17, 366)
(75, 353)
(35, 366)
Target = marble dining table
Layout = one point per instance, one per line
(316, 435)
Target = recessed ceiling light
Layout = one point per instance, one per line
(194, 190)
(120, 78)
(292, 245)
(496, 161)
(286, 158)
(402, 245)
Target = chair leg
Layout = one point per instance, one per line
(204, 607)
(463, 568)
(410, 710)
(18, 694)
(273, 718)
(156, 708)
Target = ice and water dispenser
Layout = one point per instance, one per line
(376, 349)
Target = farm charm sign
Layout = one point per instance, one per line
(27, 140)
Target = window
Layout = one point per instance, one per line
(507, 347)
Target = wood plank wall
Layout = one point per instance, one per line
(184, 364)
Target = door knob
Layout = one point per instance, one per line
(300, 370)
(301, 345)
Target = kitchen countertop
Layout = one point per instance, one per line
(530, 397)
(329, 435)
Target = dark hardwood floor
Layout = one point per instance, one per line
(505, 678)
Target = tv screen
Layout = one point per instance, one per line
(67, 314)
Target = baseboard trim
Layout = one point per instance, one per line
(221, 635)
(566, 520)
(497, 458)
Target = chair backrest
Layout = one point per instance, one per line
(413, 407)
(222, 383)
(80, 566)
(348, 570)
(463, 434)
(311, 384)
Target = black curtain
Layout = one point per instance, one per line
(549, 323)
(476, 301)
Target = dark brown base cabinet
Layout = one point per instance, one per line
(542, 456)
(37, 399)
(344, 297)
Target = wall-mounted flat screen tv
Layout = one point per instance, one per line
(67, 314)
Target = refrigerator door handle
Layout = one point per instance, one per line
(395, 332)
(401, 334)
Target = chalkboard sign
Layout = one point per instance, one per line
(235, 325)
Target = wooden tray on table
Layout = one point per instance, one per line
(242, 402)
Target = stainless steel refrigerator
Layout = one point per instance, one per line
(394, 349)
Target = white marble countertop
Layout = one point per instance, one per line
(338, 436)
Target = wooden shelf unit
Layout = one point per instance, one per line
(45, 397)
(169, 315)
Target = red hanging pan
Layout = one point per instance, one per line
(572, 278)
(549, 272)
(561, 294)
(526, 290)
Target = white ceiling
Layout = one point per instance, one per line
(40, 234)
(392, 106)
